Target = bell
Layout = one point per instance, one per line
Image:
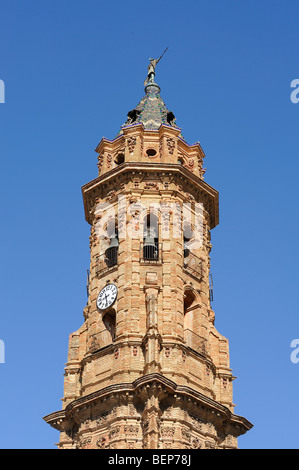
(111, 252)
(186, 247)
(113, 241)
(186, 250)
(149, 245)
(149, 240)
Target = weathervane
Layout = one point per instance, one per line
(151, 69)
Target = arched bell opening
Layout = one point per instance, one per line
(150, 237)
(112, 249)
(188, 236)
(109, 320)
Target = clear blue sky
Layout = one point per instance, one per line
(72, 70)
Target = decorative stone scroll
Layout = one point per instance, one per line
(191, 164)
(131, 142)
(167, 431)
(84, 441)
(109, 160)
(151, 185)
(102, 442)
(186, 435)
(131, 430)
(170, 145)
(100, 161)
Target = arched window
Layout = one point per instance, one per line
(189, 299)
(192, 324)
(109, 320)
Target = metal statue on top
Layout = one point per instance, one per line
(151, 69)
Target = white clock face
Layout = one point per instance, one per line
(107, 296)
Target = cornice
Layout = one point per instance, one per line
(61, 419)
(169, 168)
(131, 129)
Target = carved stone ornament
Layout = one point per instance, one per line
(131, 430)
(109, 160)
(196, 423)
(114, 432)
(84, 441)
(170, 145)
(191, 164)
(101, 419)
(166, 211)
(196, 444)
(93, 238)
(186, 435)
(100, 161)
(151, 185)
(102, 442)
(160, 148)
(167, 431)
(131, 142)
(111, 194)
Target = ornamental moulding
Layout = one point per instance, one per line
(63, 419)
(112, 177)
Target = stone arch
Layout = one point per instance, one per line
(189, 302)
(192, 318)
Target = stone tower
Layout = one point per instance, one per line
(148, 369)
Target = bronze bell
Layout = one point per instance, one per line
(111, 252)
(149, 246)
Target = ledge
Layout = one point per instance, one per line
(115, 173)
(64, 419)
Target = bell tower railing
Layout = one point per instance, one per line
(106, 260)
(151, 253)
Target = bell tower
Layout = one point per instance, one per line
(148, 369)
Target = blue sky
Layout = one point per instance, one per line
(72, 71)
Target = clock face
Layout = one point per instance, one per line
(107, 296)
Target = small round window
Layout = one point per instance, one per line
(151, 152)
(120, 159)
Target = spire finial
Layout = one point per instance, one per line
(151, 70)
